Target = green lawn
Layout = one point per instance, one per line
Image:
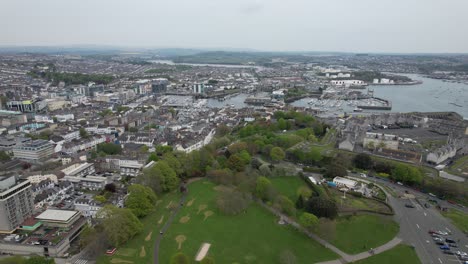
(288, 186)
(355, 234)
(132, 251)
(401, 254)
(250, 237)
(459, 167)
(459, 219)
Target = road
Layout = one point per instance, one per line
(416, 222)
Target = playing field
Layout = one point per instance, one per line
(250, 237)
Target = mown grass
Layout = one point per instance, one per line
(250, 237)
(458, 218)
(355, 234)
(132, 250)
(401, 254)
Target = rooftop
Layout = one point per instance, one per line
(56, 215)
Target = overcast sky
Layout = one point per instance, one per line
(277, 25)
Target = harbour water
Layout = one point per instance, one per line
(430, 96)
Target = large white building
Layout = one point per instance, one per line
(345, 183)
(34, 151)
(347, 83)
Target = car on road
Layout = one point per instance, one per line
(409, 205)
(444, 247)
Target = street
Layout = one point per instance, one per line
(416, 222)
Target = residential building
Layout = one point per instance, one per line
(16, 202)
(34, 151)
(87, 207)
(377, 140)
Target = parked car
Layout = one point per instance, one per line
(453, 245)
(440, 242)
(399, 183)
(449, 252)
(449, 240)
(409, 205)
(444, 247)
(427, 205)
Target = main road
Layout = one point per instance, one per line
(416, 222)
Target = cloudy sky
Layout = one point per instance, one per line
(276, 25)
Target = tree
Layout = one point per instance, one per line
(370, 145)
(232, 202)
(287, 257)
(264, 188)
(335, 169)
(309, 221)
(322, 207)
(141, 200)
(160, 177)
(109, 148)
(265, 170)
(363, 161)
(207, 260)
(277, 154)
(407, 174)
(300, 202)
(100, 199)
(180, 258)
(285, 205)
(152, 157)
(4, 157)
(110, 187)
(235, 162)
(38, 260)
(222, 130)
(83, 133)
(119, 224)
(144, 149)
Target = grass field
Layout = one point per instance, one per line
(355, 234)
(401, 254)
(459, 167)
(353, 203)
(288, 186)
(250, 237)
(459, 219)
(140, 248)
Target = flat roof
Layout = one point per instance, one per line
(56, 215)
